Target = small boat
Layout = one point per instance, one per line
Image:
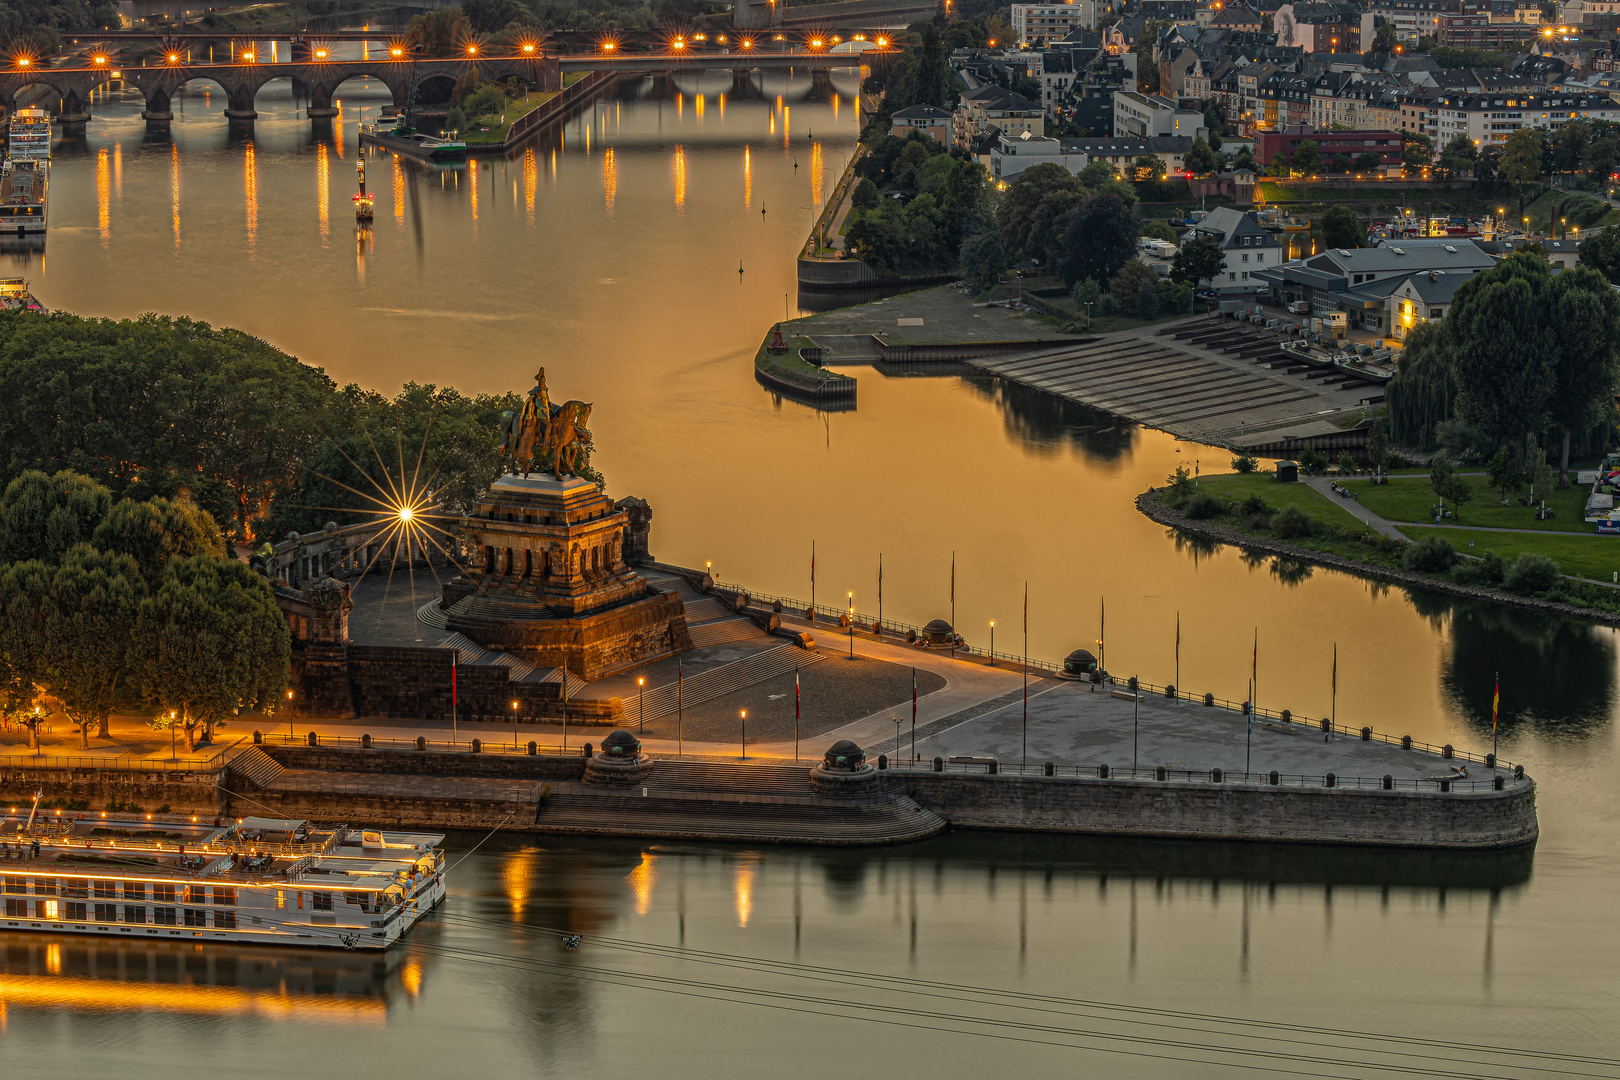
(1306, 353)
(1294, 225)
(1378, 369)
(402, 139)
(14, 296)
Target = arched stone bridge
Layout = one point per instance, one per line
(242, 82)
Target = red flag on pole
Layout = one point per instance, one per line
(452, 683)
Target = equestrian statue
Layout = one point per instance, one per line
(546, 436)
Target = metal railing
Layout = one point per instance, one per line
(797, 607)
(1202, 776)
(361, 742)
(121, 763)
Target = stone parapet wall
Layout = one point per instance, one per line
(183, 793)
(1208, 811)
(429, 763)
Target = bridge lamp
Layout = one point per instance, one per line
(883, 43)
(528, 47)
(815, 43)
(747, 43)
(247, 58)
(609, 46)
(405, 513)
(174, 58)
(836, 40)
(23, 61)
(396, 52)
(98, 60)
(472, 50)
(678, 44)
(320, 54)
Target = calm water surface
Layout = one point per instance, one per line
(611, 256)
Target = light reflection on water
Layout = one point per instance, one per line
(621, 276)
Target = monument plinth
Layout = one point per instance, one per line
(548, 582)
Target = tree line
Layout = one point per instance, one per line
(1524, 358)
(173, 408)
(128, 605)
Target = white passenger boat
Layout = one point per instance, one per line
(252, 880)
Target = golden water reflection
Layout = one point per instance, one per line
(323, 190)
(250, 190)
(103, 197)
(680, 178)
(815, 174)
(174, 190)
(610, 181)
(641, 881)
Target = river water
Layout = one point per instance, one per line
(611, 256)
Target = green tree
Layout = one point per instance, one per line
(1244, 159)
(1600, 251)
(983, 259)
(1583, 326)
(1036, 209)
(440, 32)
(1131, 285)
(1458, 156)
(1503, 471)
(1147, 300)
(1148, 167)
(1368, 162)
(1199, 159)
(1423, 393)
(933, 77)
(1504, 370)
(1417, 152)
(1341, 228)
(89, 625)
(211, 642)
(1521, 160)
(154, 532)
(1200, 259)
(866, 195)
(1307, 157)
(1101, 238)
(487, 101)
(42, 516)
(1384, 39)
(1377, 447)
(24, 653)
(1159, 230)
(1279, 165)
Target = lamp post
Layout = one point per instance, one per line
(745, 734)
(289, 715)
(852, 626)
(641, 704)
(174, 751)
(514, 725)
(992, 643)
(896, 720)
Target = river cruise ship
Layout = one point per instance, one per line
(29, 136)
(250, 880)
(22, 197)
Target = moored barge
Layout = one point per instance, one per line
(252, 880)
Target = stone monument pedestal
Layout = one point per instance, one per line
(548, 581)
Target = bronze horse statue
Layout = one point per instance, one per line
(548, 442)
(567, 436)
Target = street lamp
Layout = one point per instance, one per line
(641, 703)
(852, 626)
(896, 720)
(289, 715)
(745, 734)
(514, 726)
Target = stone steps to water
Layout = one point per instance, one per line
(433, 615)
(721, 631)
(672, 774)
(717, 682)
(706, 609)
(468, 651)
(756, 819)
(503, 609)
(675, 583)
(257, 766)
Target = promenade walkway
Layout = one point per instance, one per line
(1353, 507)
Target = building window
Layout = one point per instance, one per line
(16, 885)
(44, 887)
(163, 894)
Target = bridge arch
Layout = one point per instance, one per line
(366, 89)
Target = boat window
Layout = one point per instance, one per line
(163, 894)
(134, 890)
(163, 916)
(16, 884)
(196, 917)
(106, 890)
(44, 886)
(321, 901)
(224, 896)
(134, 914)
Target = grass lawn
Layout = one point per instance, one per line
(790, 366)
(516, 108)
(1596, 557)
(1239, 486)
(1411, 500)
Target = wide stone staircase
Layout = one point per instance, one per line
(257, 766)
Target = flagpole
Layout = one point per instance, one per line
(1496, 707)
(454, 731)
(1178, 656)
(1333, 716)
(1254, 676)
(913, 712)
(879, 628)
(795, 712)
(953, 605)
(1026, 677)
(680, 704)
(1248, 749)
(1102, 635)
(812, 583)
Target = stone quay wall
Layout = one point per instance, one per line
(182, 792)
(415, 683)
(430, 763)
(391, 811)
(1208, 811)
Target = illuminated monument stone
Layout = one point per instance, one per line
(547, 580)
